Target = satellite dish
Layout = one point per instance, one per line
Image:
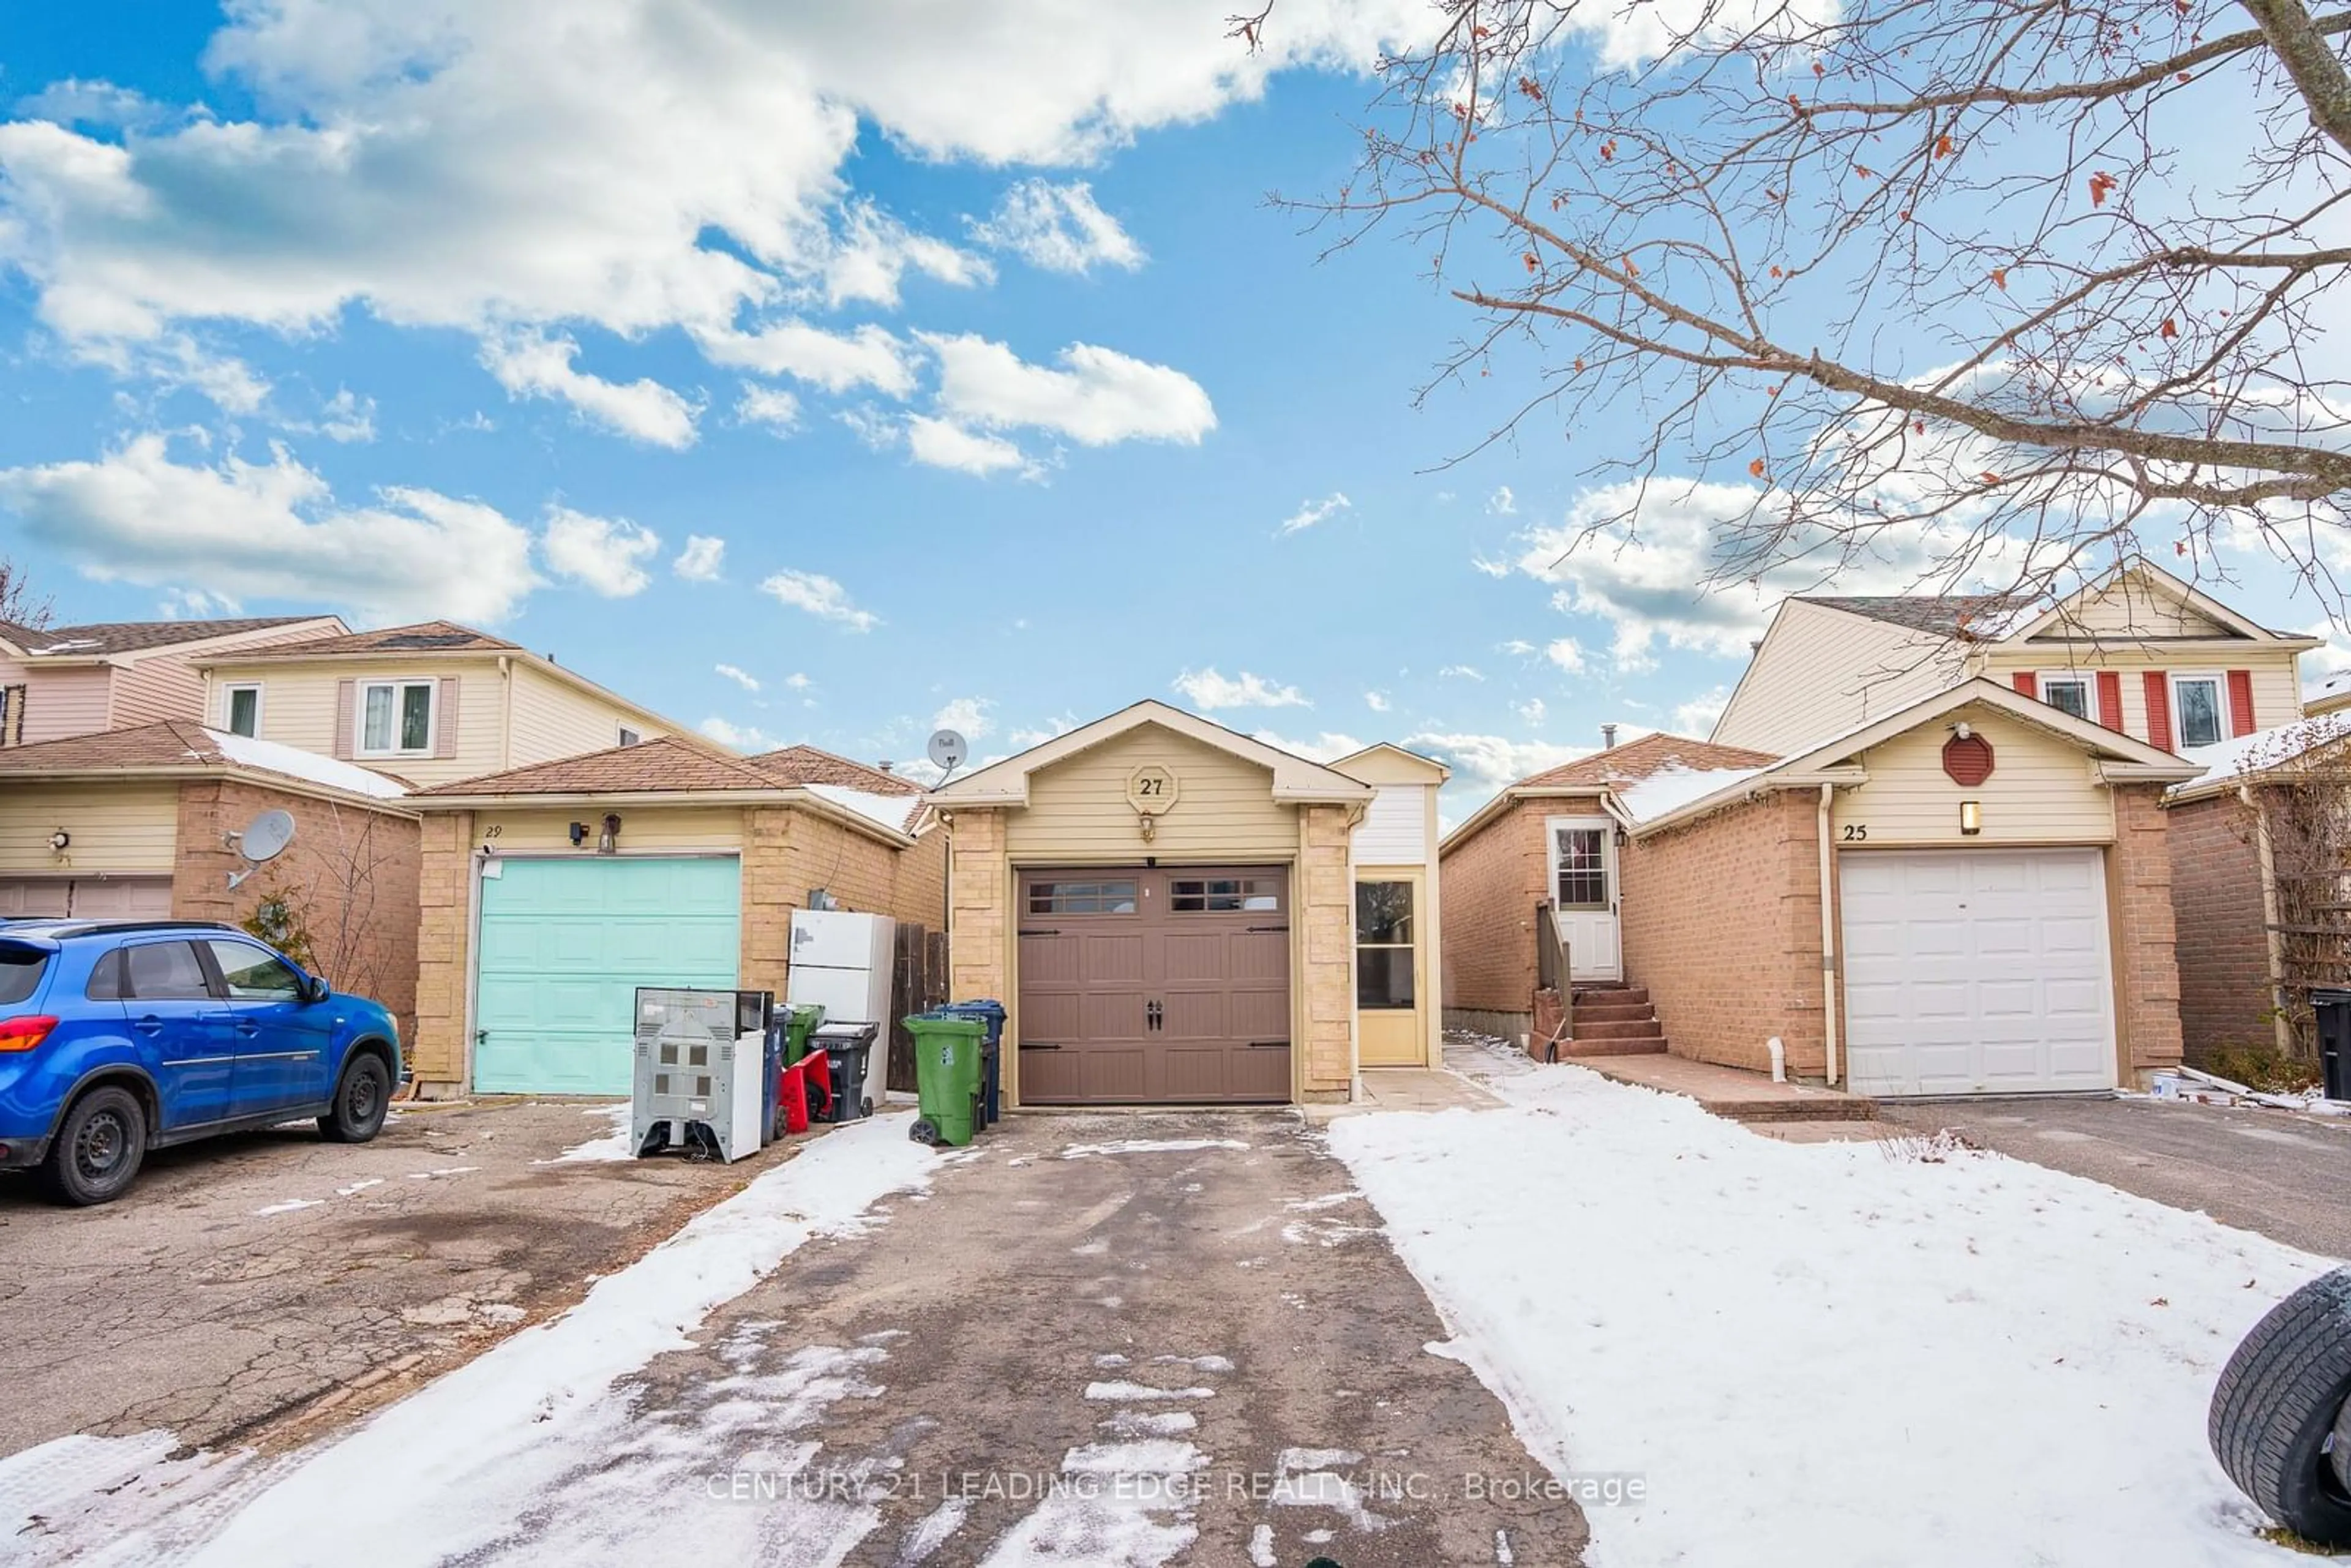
(265, 837)
(948, 749)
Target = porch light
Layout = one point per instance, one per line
(609, 840)
(60, 839)
(1970, 817)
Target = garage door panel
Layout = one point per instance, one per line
(1259, 955)
(1194, 956)
(1110, 1016)
(1051, 961)
(1976, 971)
(1117, 1074)
(1112, 960)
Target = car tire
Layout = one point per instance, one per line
(2278, 1409)
(362, 1099)
(99, 1148)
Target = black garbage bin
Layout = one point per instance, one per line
(849, 1050)
(2334, 1011)
(991, 1054)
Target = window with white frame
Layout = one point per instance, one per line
(2066, 689)
(1579, 865)
(396, 718)
(2195, 711)
(241, 710)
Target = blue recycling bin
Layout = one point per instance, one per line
(991, 1054)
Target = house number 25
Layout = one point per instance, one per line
(1855, 831)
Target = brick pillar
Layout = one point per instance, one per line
(979, 923)
(770, 893)
(2145, 933)
(1324, 903)
(445, 902)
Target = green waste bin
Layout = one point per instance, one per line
(946, 1077)
(801, 1018)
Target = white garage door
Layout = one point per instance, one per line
(87, 898)
(1977, 972)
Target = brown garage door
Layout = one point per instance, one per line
(1168, 984)
(87, 898)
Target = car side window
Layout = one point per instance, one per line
(106, 979)
(166, 972)
(255, 976)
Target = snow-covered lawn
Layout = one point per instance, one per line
(462, 1460)
(1828, 1354)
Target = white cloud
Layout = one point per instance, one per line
(744, 678)
(195, 604)
(1531, 710)
(1208, 689)
(1097, 397)
(944, 444)
(1328, 747)
(1490, 568)
(1059, 228)
(822, 597)
(1461, 673)
(1502, 502)
(837, 362)
(1567, 653)
(1697, 715)
(1491, 761)
(777, 409)
(874, 252)
(272, 530)
(605, 554)
(797, 681)
(347, 417)
(967, 717)
(1309, 513)
(741, 738)
(702, 558)
(532, 365)
(1376, 701)
(1023, 738)
(1516, 647)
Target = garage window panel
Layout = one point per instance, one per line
(1109, 897)
(1223, 896)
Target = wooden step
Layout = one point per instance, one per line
(1619, 1029)
(1651, 1045)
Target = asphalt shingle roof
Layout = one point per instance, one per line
(136, 636)
(666, 764)
(807, 765)
(1979, 616)
(1637, 759)
(427, 637)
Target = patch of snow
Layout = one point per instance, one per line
(1962, 1362)
(893, 812)
(442, 1171)
(612, 1144)
(1117, 1505)
(1109, 1358)
(1151, 1423)
(933, 1531)
(2249, 754)
(1328, 1200)
(1198, 1362)
(1150, 1146)
(296, 763)
(1261, 1548)
(359, 1186)
(1503, 1555)
(1671, 787)
(1123, 1390)
(289, 1205)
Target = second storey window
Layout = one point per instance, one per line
(2066, 689)
(244, 715)
(395, 718)
(2195, 711)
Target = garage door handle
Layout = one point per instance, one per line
(1034, 1045)
(1268, 1045)
(1034, 931)
(1268, 929)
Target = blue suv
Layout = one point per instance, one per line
(118, 1036)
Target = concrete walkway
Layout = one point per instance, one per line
(1731, 1093)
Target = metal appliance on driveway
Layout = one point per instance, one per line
(702, 1084)
(843, 963)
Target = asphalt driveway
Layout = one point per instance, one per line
(260, 1287)
(2282, 1174)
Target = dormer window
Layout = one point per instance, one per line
(2195, 711)
(396, 718)
(242, 714)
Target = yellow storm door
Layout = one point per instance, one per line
(1390, 989)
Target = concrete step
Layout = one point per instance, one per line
(1652, 1045)
(1612, 1012)
(1619, 1029)
(1850, 1108)
(1613, 994)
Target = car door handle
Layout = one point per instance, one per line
(150, 1024)
(247, 1028)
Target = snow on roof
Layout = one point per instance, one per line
(893, 812)
(1670, 789)
(296, 763)
(2335, 683)
(2264, 748)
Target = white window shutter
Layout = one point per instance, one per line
(346, 717)
(444, 718)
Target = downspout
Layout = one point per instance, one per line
(506, 711)
(1828, 939)
(2280, 1027)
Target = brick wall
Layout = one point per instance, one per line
(1722, 923)
(351, 876)
(1326, 900)
(2145, 938)
(979, 959)
(1489, 885)
(444, 935)
(787, 852)
(2223, 949)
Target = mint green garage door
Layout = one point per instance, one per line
(564, 945)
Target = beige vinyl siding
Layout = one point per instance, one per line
(2129, 607)
(553, 720)
(1822, 672)
(1077, 809)
(297, 708)
(2277, 690)
(644, 830)
(157, 688)
(115, 827)
(1395, 830)
(61, 703)
(2041, 790)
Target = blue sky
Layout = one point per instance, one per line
(983, 355)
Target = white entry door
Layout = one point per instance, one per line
(1976, 971)
(1582, 854)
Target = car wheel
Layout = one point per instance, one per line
(98, 1147)
(2278, 1409)
(361, 1099)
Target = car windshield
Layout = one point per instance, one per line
(21, 968)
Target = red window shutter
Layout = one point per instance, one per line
(2110, 700)
(444, 718)
(2158, 710)
(2241, 702)
(346, 717)
(2027, 682)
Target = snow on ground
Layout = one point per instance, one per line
(1826, 1354)
(501, 1439)
(1150, 1146)
(614, 1144)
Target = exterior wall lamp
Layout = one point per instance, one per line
(609, 840)
(1970, 818)
(60, 841)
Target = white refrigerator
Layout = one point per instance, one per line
(843, 963)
